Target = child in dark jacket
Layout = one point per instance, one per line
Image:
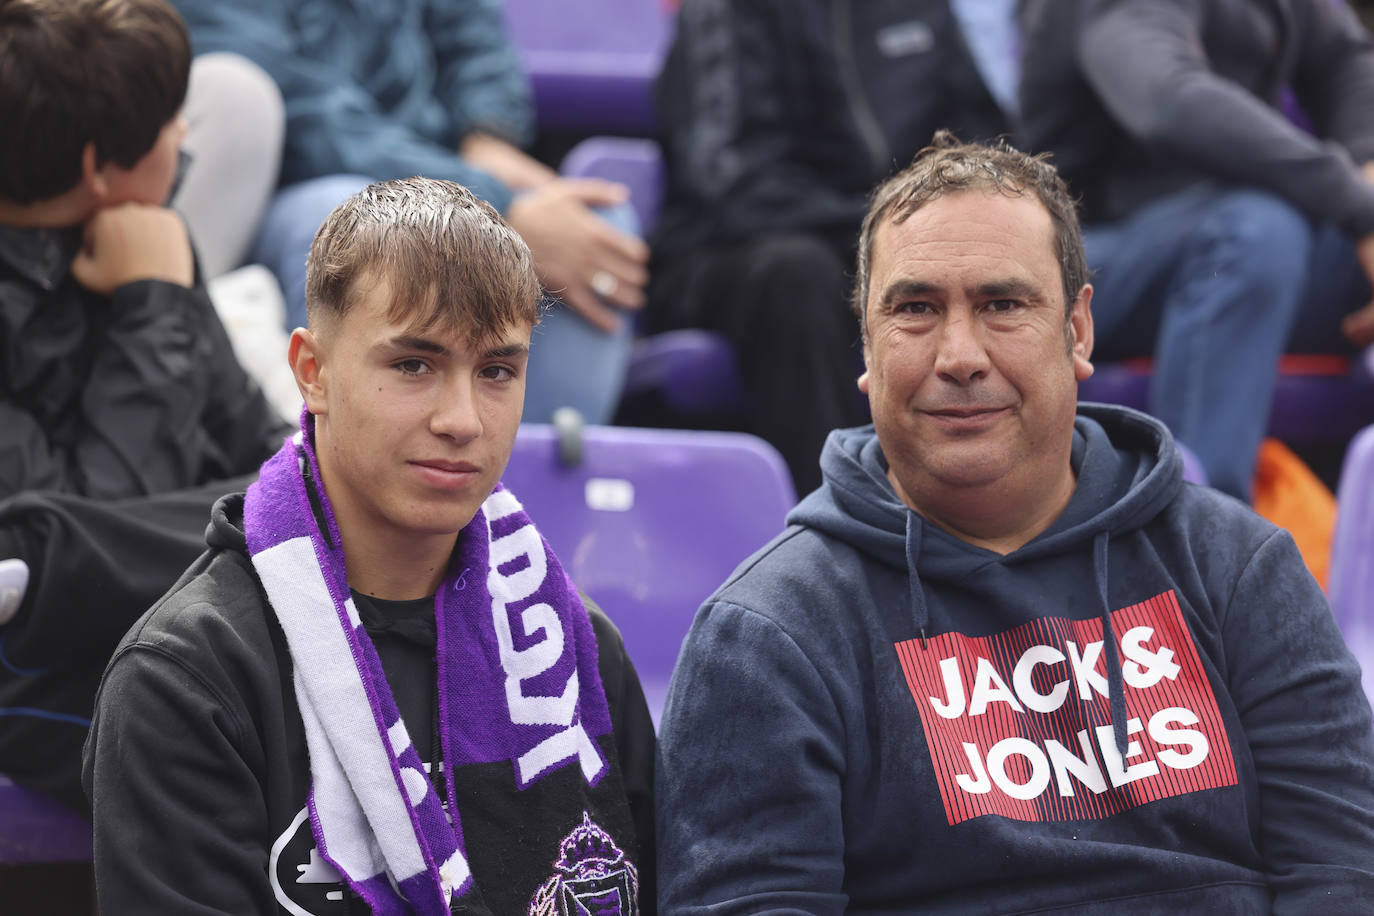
(123, 411)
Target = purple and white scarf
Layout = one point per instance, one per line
(517, 681)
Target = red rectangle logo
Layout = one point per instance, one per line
(1019, 723)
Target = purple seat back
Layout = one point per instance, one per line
(1351, 584)
(636, 163)
(35, 829)
(691, 372)
(592, 63)
(650, 522)
(1323, 404)
(1193, 470)
(694, 372)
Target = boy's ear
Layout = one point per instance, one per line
(307, 365)
(93, 177)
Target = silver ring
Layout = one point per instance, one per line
(604, 283)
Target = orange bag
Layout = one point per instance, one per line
(1291, 496)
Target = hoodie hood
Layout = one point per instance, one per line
(225, 531)
(1128, 471)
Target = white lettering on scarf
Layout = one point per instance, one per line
(523, 664)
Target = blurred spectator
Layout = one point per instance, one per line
(1218, 230)
(778, 118)
(234, 127)
(123, 408)
(235, 122)
(380, 89)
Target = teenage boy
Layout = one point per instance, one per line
(373, 608)
(122, 407)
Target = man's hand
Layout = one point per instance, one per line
(1358, 326)
(579, 256)
(132, 242)
(504, 162)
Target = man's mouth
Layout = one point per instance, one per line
(963, 413)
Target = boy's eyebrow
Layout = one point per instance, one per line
(424, 344)
(506, 351)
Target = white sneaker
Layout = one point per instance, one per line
(14, 581)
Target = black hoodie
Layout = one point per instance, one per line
(197, 770)
(874, 716)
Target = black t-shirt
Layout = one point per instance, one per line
(405, 635)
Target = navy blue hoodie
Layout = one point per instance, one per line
(1146, 709)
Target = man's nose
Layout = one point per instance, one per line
(962, 355)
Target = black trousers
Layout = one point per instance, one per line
(782, 300)
(95, 567)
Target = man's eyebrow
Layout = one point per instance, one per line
(901, 290)
(1007, 289)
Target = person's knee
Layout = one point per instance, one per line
(796, 296)
(795, 254)
(297, 211)
(319, 196)
(797, 269)
(1265, 239)
(243, 93)
(236, 123)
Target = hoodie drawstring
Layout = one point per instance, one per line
(919, 613)
(1116, 692)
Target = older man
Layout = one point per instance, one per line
(1005, 660)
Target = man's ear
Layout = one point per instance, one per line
(863, 376)
(307, 364)
(1081, 327)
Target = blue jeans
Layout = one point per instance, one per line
(571, 363)
(1215, 285)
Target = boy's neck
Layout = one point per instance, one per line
(61, 212)
(384, 567)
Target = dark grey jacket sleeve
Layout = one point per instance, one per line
(1147, 62)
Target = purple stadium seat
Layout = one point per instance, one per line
(1193, 470)
(693, 371)
(1351, 584)
(592, 63)
(636, 163)
(690, 373)
(1319, 400)
(34, 829)
(649, 522)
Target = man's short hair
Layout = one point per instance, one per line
(108, 72)
(449, 259)
(948, 166)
